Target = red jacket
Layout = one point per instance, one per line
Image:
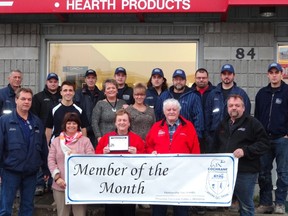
(184, 140)
(134, 140)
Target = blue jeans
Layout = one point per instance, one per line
(244, 191)
(11, 181)
(160, 210)
(279, 151)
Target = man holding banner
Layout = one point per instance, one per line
(246, 138)
(172, 135)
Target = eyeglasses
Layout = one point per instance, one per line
(139, 95)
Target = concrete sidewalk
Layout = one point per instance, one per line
(44, 207)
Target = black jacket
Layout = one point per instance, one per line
(43, 102)
(246, 133)
(126, 94)
(87, 101)
(271, 109)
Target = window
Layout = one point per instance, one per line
(282, 58)
(70, 60)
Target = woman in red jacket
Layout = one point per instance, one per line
(135, 146)
(172, 135)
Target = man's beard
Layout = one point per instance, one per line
(179, 87)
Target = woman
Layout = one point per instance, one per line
(136, 146)
(70, 141)
(104, 112)
(142, 116)
(156, 85)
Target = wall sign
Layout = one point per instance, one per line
(126, 6)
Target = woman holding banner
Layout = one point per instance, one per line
(172, 135)
(120, 141)
(70, 141)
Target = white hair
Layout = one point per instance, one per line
(171, 101)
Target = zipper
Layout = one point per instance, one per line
(270, 112)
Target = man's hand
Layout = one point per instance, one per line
(238, 153)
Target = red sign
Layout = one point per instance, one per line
(126, 6)
(112, 6)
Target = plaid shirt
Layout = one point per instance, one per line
(172, 128)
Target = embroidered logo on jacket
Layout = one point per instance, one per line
(241, 129)
(161, 133)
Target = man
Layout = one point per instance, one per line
(23, 150)
(42, 103)
(7, 94)
(124, 91)
(245, 137)
(189, 101)
(156, 85)
(87, 97)
(57, 114)
(271, 105)
(202, 87)
(172, 135)
(216, 103)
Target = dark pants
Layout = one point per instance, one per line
(120, 210)
(161, 210)
(10, 183)
(279, 152)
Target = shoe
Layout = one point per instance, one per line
(279, 209)
(262, 209)
(39, 191)
(234, 207)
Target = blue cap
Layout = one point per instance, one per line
(275, 65)
(120, 70)
(180, 73)
(52, 76)
(227, 67)
(157, 71)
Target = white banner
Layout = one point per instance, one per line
(200, 180)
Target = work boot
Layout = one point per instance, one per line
(263, 209)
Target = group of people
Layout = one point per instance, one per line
(37, 131)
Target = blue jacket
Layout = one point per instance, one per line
(205, 95)
(7, 99)
(216, 107)
(18, 155)
(152, 97)
(271, 109)
(191, 108)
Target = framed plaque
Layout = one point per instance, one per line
(118, 143)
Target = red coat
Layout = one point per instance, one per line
(184, 140)
(134, 140)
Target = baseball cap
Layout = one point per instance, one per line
(120, 70)
(275, 65)
(157, 71)
(180, 73)
(227, 67)
(90, 72)
(52, 76)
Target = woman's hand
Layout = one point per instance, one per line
(106, 150)
(132, 150)
(60, 182)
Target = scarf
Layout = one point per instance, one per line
(66, 140)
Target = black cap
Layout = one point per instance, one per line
(90, 72)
